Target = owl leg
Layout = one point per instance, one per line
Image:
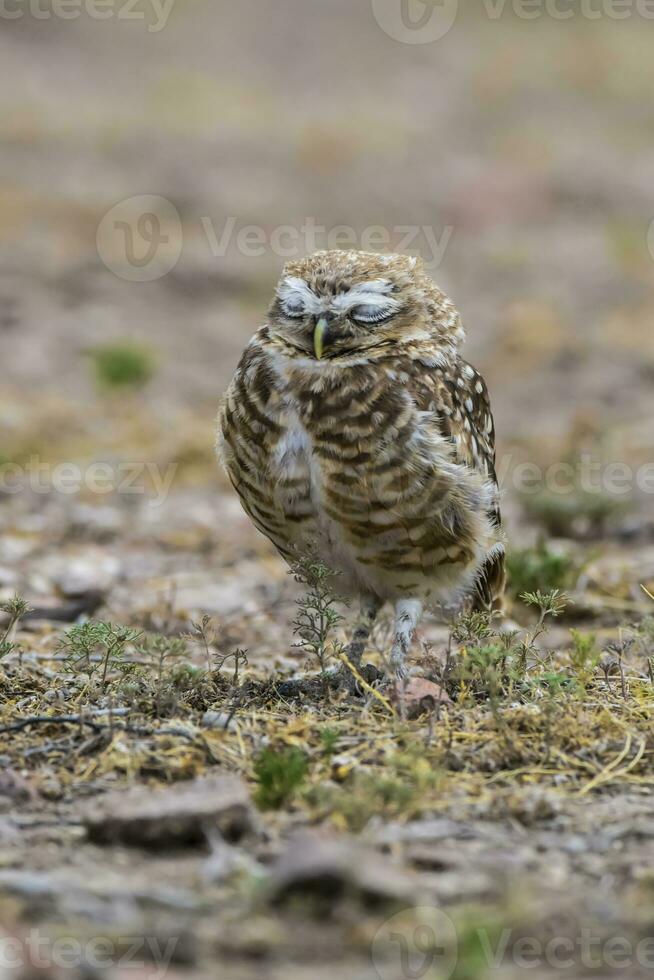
(407, 616)
(370, 606)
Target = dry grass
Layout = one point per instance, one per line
(110, 700)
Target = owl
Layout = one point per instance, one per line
(353, 430)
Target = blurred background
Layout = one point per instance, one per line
(162, 160)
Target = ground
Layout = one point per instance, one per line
(302, 831)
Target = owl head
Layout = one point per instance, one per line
(334, 304)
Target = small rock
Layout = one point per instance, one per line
(52, 610)
(9, 834)
(15, 787)
(418, 696)
(14, 548)
(176, 816)
(53, 694)
(50, 788)
(530, 807)
(101, 521)
(226, 861)
(435, 829)
(8, 578)
(327, 868)
(91, 572)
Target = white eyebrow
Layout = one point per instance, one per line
(373, 293)
(295, 290)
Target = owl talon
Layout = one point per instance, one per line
(348, 681)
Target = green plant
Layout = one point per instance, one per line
(165, 655)
(554, 683)
(584, 656)
(95, 647)
(329, 738)
(205, 632)
(616, 651)
(477, 936)
(552, 603)
(15, 609)
(279, 773)
(486, 669)
(317, 614)
(472, 627)
(397, 791)
(532, 569)
(240, 658)
(482, 667)
(497, 666)
(122, 365)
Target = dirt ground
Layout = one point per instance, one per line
(507, 829)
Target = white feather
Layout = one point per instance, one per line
(294, 291)
(373, 293)
(297, 295)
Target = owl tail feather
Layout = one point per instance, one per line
(488, 595)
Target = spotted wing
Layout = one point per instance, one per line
(459, 398)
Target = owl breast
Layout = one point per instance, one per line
(301, 489)
(345, 464)
(374, 502)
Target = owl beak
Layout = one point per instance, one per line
(320, 336)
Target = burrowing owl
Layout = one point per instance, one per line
(354, 430)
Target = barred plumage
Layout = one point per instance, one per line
(353, 429)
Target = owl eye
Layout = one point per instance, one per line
(372, 314)
(294, 310)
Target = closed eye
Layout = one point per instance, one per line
(373, 314)
(295, 311)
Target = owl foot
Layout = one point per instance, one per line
(349, 682)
